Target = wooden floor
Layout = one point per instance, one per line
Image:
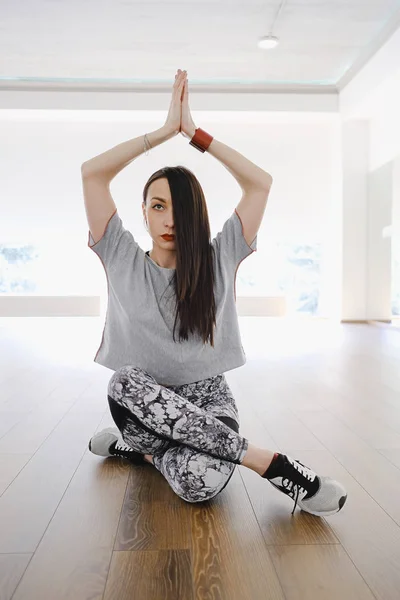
(73, 525)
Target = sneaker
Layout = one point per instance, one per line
(109, 442)
(320, 496)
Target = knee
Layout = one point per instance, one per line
(128, 372)
(202, 484)
(195, 494)
(129, 380)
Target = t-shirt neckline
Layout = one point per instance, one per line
(155, 264)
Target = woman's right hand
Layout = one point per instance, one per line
(173, 122)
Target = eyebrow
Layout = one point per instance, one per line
(157, 198)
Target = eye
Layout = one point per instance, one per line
(157, 205)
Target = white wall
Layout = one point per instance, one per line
(380, 202)
(369, 206)
(42, 195)
(40, 172)
(384, 208)
(396, 196)
(384, 137)
(355, 151)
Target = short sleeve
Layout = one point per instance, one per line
(230, 243)
(116, 245)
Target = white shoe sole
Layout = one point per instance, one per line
(342, 502)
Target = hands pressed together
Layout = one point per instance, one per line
(179, 118)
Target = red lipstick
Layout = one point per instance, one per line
(168, 238)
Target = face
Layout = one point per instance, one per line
(158, 213)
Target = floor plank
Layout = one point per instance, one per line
(272, 508)
(230, 559)
(370, 537)
(12, 567)
(75, 525)
(150, 575)
(72, 559)
(312, 572)
(28, 504)
(368, 533)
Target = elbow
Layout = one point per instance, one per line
(266, 181)
(269, 180)
(87, 169)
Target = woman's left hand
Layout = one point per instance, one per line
(188, 128)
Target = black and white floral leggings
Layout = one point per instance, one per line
(192, 430)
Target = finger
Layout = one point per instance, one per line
(179, 79)
(179, 87)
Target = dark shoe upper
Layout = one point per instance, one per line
(318, 495)
(292, 478)
(118, 448)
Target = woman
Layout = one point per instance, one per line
(168, 395)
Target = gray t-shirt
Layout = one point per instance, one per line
(140, 315)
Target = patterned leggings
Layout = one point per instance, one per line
(191, 430)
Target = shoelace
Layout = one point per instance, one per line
(122, 446)
(295, 502)
(306, 472)
(293, 491)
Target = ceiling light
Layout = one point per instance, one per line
(267, 42)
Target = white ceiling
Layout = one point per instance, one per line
(323, 43)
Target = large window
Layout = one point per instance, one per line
(278, 268)
(49, 269)
(284, 268)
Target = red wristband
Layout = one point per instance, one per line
(201, 140)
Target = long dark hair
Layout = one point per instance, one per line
(193, 280)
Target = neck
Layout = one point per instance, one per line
(165, 264)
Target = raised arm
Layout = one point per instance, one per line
(98, 172)
(254, 181)
(108, 164)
